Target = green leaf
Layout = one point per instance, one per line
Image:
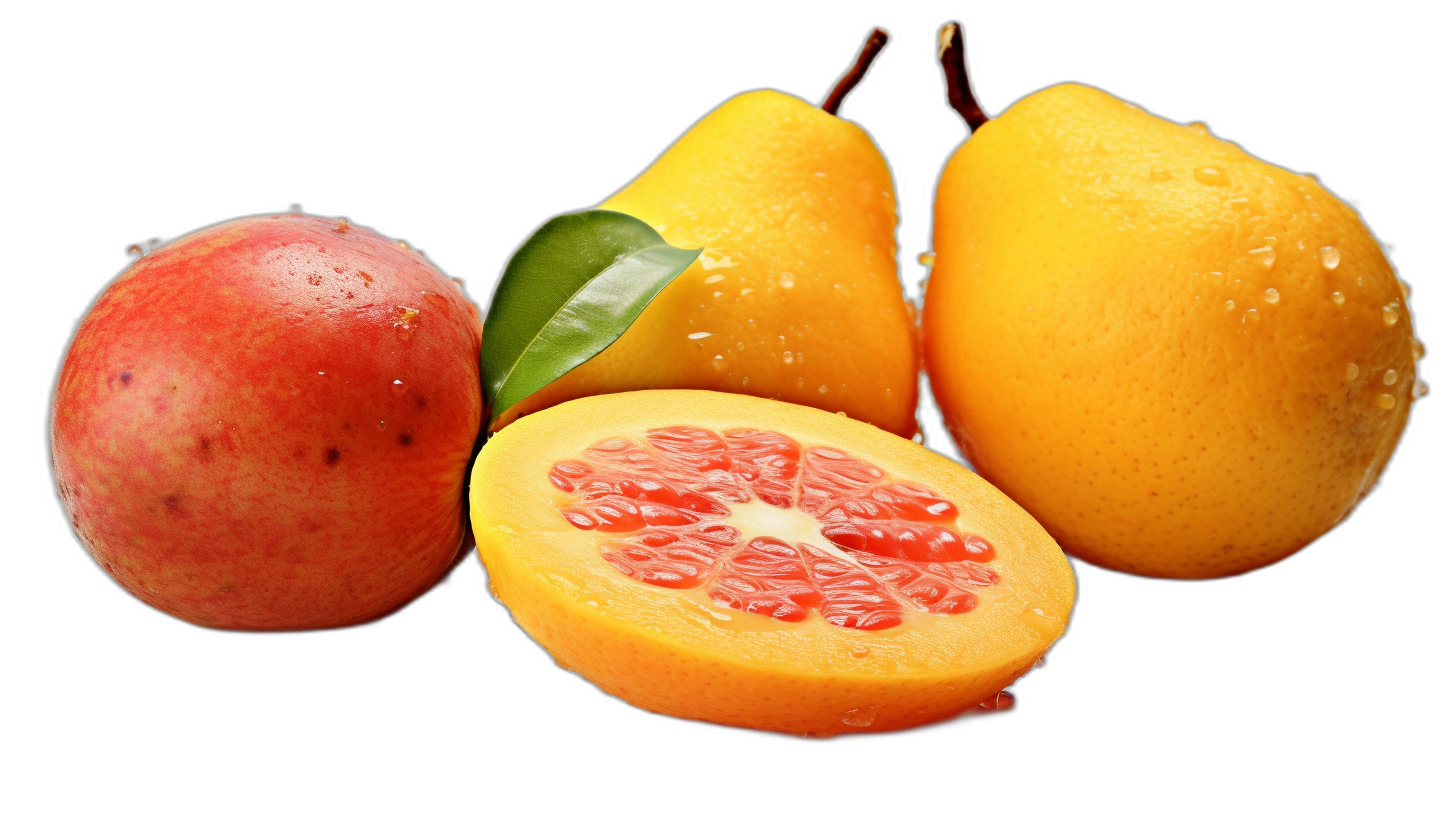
(570, 291)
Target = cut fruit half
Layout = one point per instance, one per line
(761, 564)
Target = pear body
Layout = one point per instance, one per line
(796, 296)
(1182, 360)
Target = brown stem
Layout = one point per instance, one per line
(957, 79)
(872, 46)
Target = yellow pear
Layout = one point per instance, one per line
(796, 296)
(1182, 360)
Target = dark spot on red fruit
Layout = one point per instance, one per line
(348, 425)
(405, 439)
(298, 453)
(204, 449)
(420, 401)
(125, 378)
(331, 457)
(174, 504)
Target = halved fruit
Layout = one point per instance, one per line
(761, 564)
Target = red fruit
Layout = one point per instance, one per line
(266, 424)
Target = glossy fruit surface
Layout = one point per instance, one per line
(796, 296)
(762, 564)
(1184, 361)
(266, 424)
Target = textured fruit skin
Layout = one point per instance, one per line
(802, 204)
(658, 649)
(228, 439)
(1086, 359)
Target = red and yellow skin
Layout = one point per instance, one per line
(266, 424)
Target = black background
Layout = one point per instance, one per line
(462, 139)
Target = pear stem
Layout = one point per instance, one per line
(957, 78)
(847, 83)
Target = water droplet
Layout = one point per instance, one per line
(1251, 316)
(1264, 255)
(404, 245)
(860, 651)
(1215, 272)
(1352, 371)
(739, 345)
(136, 249)
(712, 279)
(824, 389)
(381, 424)
(1391, 313)
(1198, 127)
(788, 357)
(1385, 401)
(786, 280)
(1404, 289)
(1419, 389)
(745, 382)
(398, 388)
(718, 363)
(342, 225)
(1000, 701)
(1159, 174)
(404, 322)
(321, 373)
(1338, 298)
(798, 356)
(295, 208)
(700, 335)
(927, 259)
(744, 291)
(1390, 376)
(1271, 295)
(1213, 176)
(1041, 622)
(1418, 349)
(1229, 305)
(1330, 257)
(860, 717)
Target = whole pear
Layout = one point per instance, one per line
(1182, 360)
(796, 296)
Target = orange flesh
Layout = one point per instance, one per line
(689, 627)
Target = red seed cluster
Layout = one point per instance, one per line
(665, 505)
